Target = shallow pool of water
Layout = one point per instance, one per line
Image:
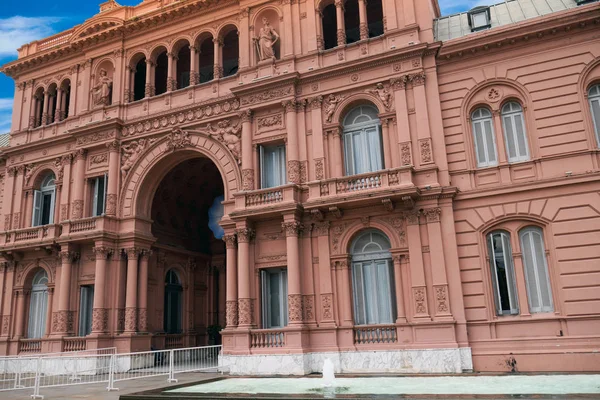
(450, 385)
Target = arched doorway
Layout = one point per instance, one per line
(182, 214)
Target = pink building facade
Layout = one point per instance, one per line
(395, 190)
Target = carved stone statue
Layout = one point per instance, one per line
(131, 152)
(383, 94)
(101, 91)
(330, 105)
(267, 37)
(229, 135)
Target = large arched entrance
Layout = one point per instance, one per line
(190, 256)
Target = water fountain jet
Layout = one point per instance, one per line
(328, 373)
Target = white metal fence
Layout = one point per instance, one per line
(36, 372)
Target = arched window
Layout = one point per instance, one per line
(173, 303)
(183, 67)
(594, 98)
(43, 202)
(161, 71)
(537, 278)
(375, 18)
(351, 21)
(503, 274)
(485, 141)
(38, 105)
(65, 99)
(206, 63)
(139, 79)
(362, 141)
(38, 304)
(514, 132)
(231, 53)
(329, 26)
(372, 279)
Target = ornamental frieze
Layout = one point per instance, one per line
(197, 113)
(267, 95)
(96, 137)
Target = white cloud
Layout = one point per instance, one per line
(16, 31)
(6, 105)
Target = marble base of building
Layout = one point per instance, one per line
(445, 361)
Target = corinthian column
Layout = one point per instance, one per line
(100, 312)
(113, 178)
(62, 320)
(78, 185)
(131, 292)
(143, 291)
(245, 302)
(247, 164)
(231, 281)
(293, 164)
(292, 230)
(218, 66)
(341, 28)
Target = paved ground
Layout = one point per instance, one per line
(98, 391)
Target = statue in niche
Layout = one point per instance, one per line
(267, 37)
(102, 90)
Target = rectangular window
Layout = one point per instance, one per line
(99, 193)
(274, 298)
(272, 166)
(373, 292)
(514, 133)
(503, 276)
(43, 207)
(86, 306)
(485, 143)
(362, 151)
(536, 271)
(38, 304)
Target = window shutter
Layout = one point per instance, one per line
(530, 273)
(523, 149)
(282, 166)
(104, 194)
(595, 106)
(480, 149)
(348, 154)
(375, 149)
(358, 293)
(537, 276)
(96, 194)
(494, 274)
(37, 208)
(490, 142)
(509, 136)
(510, 274)
(384, 293)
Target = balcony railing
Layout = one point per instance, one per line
(25, 236)
(267, 197)
(83, 225)
(74, 344)
(264, 197)
(267, 338)
(89, 225)
(30, 345)
(375, 334)
(173, 341)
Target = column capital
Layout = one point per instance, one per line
(315, 103)
(418, 79)
(432, 214)
(68, 257)
(230, 241)
(245, 235)
(292, 228)
(113, 146)
(145, 254)
(80, 154)
(322, 228)
(289, 105)
(412, 217)
(399, 83)
(102, 252)
(133, 253)
(246, 116)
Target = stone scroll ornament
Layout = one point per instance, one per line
(102, 89)
(267, 37)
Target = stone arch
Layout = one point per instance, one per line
(93, 24)
(527, 220)
(136, 198)
(136, 57)
(203, 33)
(225, 27)
(589, 77)
(39, 173)
(354, 100)
(180, 42)
(179, 270)
(156, 50)
(25, 275)
(352, 231)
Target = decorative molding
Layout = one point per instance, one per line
(441, 297)
(246, 311)
(247, 179)
(295, 307)
(178, 139)
(95, 137)
(231, 313)
(432, 214)
(293, 170)
(426, 151)
(420, 298)
(269, 122)
(327, 306)
(292, 229)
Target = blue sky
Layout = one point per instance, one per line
(27, 20)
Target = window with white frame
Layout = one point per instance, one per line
(99, 187)
(43, 202)
(537, 278)
(372, 279)
(363, 151)
(503, 274)
(86, 309)
(485, 140)
(594, 98)
(38, 305)
(274, 298)
(173, 303)
(272, 166)
(515, 135)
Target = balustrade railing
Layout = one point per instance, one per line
(54, 41)
(353, 184)
(83, 225)
(264, 197)
(173, 341)
(28, 234)
(30, 345)
(267, 339)
(74, 344)
(375, 334)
